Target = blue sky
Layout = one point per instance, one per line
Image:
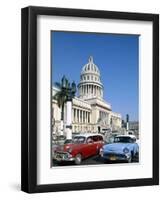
(116, 57)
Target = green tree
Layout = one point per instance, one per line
(65, 93)
(61, 96)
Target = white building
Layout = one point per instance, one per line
(90, 112)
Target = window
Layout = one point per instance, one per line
(100, 138)
(87, 77)
(95, 138)
(90, 139)
(88, 117)
(79, 139)
(88, 67)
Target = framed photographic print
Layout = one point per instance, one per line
(90, 99)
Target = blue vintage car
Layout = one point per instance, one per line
(124, 148)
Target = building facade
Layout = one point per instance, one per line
(90, 112)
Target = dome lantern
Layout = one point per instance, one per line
(90, 59)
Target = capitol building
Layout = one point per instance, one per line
(90, 112)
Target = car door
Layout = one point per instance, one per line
(90, 146)
(96, 144)
(100, 142)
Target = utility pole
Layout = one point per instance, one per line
(127, 123)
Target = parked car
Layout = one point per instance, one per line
(59, 140)
(82, 146)
(123, 148)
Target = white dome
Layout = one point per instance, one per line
(90, 67)
(90, 85)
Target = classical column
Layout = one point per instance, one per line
(88, 117)
(82, 90)
(83, 116)
(87, 89)
(72, 114)
(80, 116)
(91, 90)
(75, 115)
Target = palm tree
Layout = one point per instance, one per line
(65, 94)
(61, 96)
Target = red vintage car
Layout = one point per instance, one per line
(81, 147)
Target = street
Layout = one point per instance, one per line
(94, 160)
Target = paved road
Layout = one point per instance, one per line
(95, 160)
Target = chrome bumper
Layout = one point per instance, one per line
(114, 157)
(59, 156)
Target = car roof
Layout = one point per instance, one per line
(88, 134)
(131, 136)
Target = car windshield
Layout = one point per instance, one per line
(123, 139)
(79, 139)
(68, 141)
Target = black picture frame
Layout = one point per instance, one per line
(29, 99)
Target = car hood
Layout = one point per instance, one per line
(118, 147)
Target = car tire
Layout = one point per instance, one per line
(78, 159)
(106, 161)
(130, 159)
(137, 155)
(98, 152)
